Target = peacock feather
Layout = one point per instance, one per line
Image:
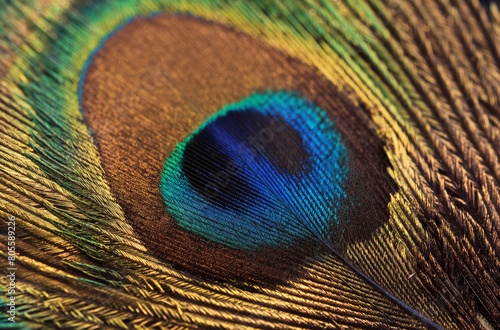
(250, 164)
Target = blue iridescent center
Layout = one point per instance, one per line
(267, 171)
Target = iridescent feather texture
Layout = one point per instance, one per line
(251, 164)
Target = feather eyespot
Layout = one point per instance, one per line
(279, 115)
